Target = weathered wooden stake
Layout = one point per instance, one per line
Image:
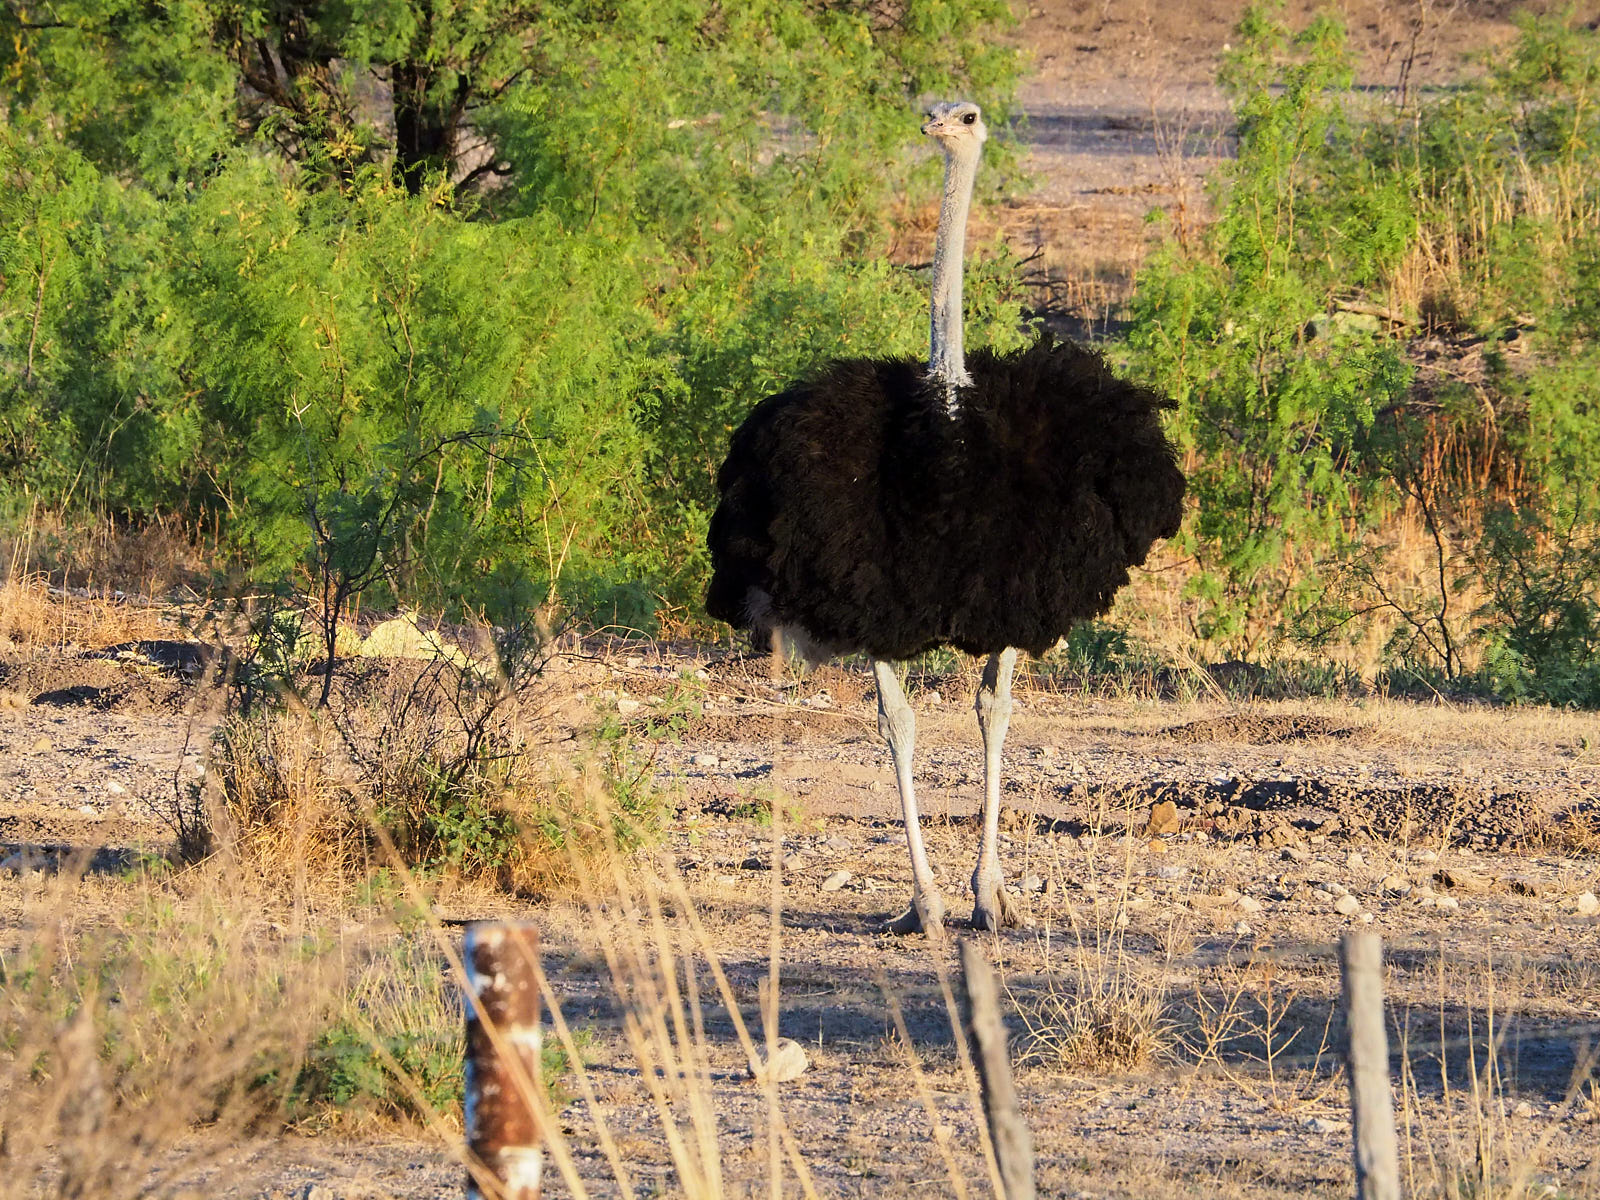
(1367, 1063)
(502, 1061)
(1013, 1144)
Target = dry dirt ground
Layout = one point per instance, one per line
(1464, 834)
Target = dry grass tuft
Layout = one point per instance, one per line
(122, 1038)
(33, 617)
(1101, 1021)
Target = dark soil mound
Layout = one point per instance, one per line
(108, 684)
(1261, 729)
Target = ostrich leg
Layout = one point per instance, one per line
(898, 725)
(991, 909)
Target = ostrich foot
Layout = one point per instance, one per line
(926, 915)
(992, 909)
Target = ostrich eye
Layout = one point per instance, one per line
(969, 118)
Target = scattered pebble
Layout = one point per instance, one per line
(1033, 883)
(627, 707)
(1347, 905)
(836, 881)
(1523, 1109)
(1459, 879)
(1588, 904)
(1326, 1125)
(1248, 904)
(1243, 929)
(788, 1062)
(706, 760)
(1447, 902)
(1396, 885)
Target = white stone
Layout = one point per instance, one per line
(1327, 1125)
(1248, 904)
(1588, 904)
(627, 707)
(706, 760)
(836, 881)
(1347, 905)
(789, 1061)
(1447, 902)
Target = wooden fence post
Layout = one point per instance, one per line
(502, 1064)
(1013, 1144)
(1377, 1154)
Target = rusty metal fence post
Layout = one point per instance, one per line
(502, 1066)
(1377, 1152)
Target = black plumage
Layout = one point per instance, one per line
(855, 508)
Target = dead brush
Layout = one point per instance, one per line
(122, 1037)
(1465, 1141)
(451, 765)
(33, 618)
(1099, 1007)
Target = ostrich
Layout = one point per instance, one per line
(884, 507)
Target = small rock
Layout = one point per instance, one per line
(1447, 902)
(1326, 1125)
(935, 698)
(1296, 854)
(838, 843)
(1396, 885)
(1169, 871)
(1033, 883)
(706, 760)
(1248, 904)
(789, 1061)
(1163, 819)
(836, 881)
(1336, 890)
(1281, 834)
(42, 746)
(1459, 879)
(1355, 860)
(627, 707)
(1243, 929)
(115, 788)
(1347, 905)
(1588, 904)
(1523, 1109)
(754, 863)
(793, 862)
(1365, 918)
(1522, 885)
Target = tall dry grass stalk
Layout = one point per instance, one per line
(35, 618)
(142, 1042)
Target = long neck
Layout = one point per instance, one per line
(946, 361)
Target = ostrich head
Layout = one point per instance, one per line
(957, 125)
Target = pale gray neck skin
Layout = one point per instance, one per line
(958, 128)
(946, 359)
